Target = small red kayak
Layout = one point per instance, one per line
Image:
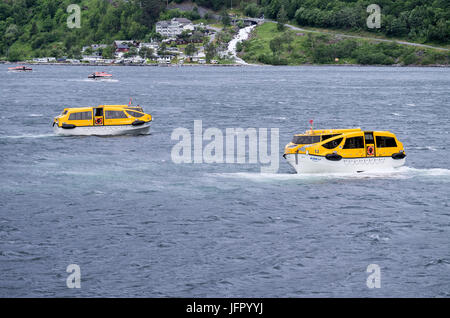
(20, 68)
(99, 75)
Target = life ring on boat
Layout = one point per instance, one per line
(98, 121)
(370, 150)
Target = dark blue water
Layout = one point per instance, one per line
(139, 225)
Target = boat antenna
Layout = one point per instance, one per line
(311, 123)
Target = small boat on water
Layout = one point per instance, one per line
(344, 151)
(99, 75)
(20, 68)
(103, 120)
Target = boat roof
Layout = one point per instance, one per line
(328, 131)
(348, 132)
(100, 106)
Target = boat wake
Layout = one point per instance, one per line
(27, 136)
(399, 173)
(432, 148)
(97, 80)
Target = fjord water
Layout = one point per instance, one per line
(139, 225)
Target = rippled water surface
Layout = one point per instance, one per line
(139, 225)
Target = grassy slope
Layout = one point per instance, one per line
(299, 51)
(368, 34)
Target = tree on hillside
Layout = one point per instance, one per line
(276, 44)
(281, 19)
(108, 52)
(252, 10)
(151, 10)
(225, 18)
(146, 52)
(210, 51)
(132, 52)
(190, 49)
(162, 49)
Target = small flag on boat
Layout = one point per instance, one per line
(131, 99)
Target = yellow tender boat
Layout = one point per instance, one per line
(344, 150)
(102, 120)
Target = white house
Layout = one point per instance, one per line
(91, 58)
(152, 45)
(45, 59)
(199, 56)
(95, 47)
(174, 27)
(164, 59)
(73, 61)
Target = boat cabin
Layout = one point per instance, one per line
(348, 143)
(103, 115)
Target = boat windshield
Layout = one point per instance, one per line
(139, 109)
(135, 114)
(325, 137)
(305, 140)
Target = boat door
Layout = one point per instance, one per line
(98, 116)
(370, 143)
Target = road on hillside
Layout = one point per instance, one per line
(362, 37)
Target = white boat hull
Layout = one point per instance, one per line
(103, 130)
(316, 164)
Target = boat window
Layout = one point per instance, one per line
(325, 137)
(134, 114)
(81, 116)
(98, 112)
(369, 137)
(332, 144)
(385, 142)
(354, 143)
(305, 140)
(64, 112)
(115, 114)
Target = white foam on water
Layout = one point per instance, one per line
(426, 172)
(35, 115)
(398, 173)
(29, 136)
(432, 148)
(97, 80)
(110, 80)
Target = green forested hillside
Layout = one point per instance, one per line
(418, 20)
(269, 45)
(37, 28)
(34, 28)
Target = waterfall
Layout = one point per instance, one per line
(241, 36)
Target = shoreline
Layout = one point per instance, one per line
(118, 65)
(221, 65)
